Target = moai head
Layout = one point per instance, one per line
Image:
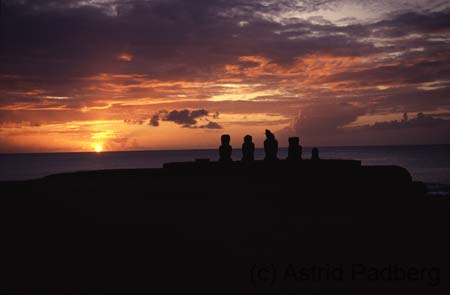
(294, 141)
(248, 139)
(225, 139)
(269, 134)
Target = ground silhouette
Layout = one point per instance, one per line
(232, 227)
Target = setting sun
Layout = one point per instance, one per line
(98, 148)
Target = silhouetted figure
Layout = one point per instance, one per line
(225, 149)
(270, 146)
(248, 149)
(294, 150)
(315, 154)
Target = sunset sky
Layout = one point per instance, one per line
(161, 74)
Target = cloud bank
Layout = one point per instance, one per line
(318, 66)
(185, 118)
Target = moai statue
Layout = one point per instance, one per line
(294, 150)
(270, 146)
(225, 149)
(248, 149)
(315, 154)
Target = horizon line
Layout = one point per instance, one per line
(207, 149)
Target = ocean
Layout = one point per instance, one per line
(427, 163)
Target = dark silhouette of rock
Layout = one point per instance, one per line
(294, 150)
(248, 149)
(202, 162)
(225, 149)
(270, 146)
(315, 154)
(214, 222)
(205, 224)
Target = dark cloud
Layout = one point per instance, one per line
(211, 125)
(181, 39)
(410, 22)
(154, 120)
(134, 122)
(326, 118)
(420, 121)
(421, 128)
(167, 38)
(186, 118)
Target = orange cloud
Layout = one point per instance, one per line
(125, 57)
(310, 66)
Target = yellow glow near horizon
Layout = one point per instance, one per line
(98, 148)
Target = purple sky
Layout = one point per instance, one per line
(153, 74)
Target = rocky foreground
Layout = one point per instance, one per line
(276, 227)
